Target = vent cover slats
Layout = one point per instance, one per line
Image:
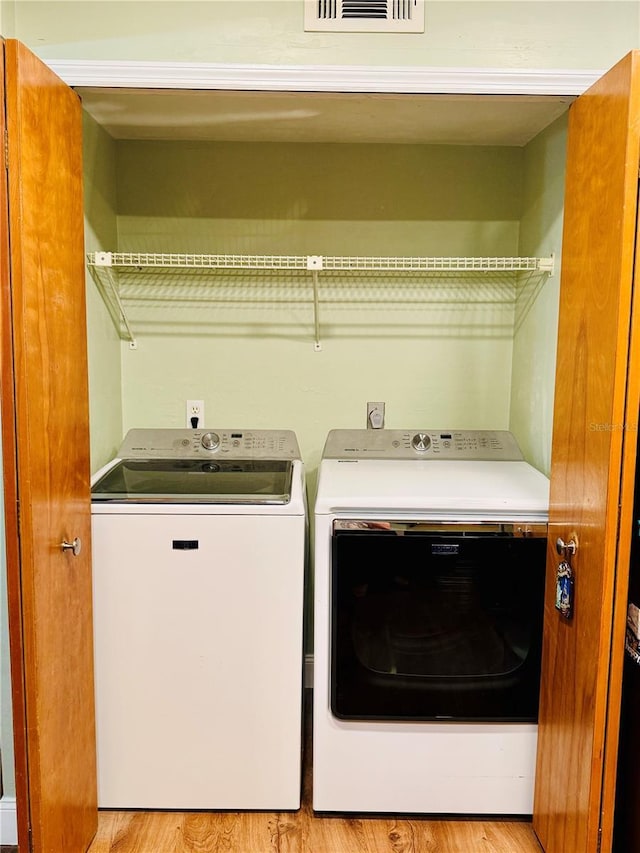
(362, 9)
(392, 16)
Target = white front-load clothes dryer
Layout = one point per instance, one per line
(198, 563)
(429, 582)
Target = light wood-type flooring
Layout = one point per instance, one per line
(304, 832)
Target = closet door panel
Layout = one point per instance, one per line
(593, 455)
(45, 423)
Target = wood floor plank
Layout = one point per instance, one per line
(240, 832)
(487, 837)
(291, 833)
(224, 831)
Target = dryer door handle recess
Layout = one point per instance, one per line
(75, 547)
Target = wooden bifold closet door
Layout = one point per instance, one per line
(45, 433)
(593, 466)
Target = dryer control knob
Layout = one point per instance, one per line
(421, 442)
(210, 441)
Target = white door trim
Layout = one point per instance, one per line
(8, 822)
(323, 78)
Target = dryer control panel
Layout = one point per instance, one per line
(480, 445)
(209, 443)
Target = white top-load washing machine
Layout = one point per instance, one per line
(429, 583)
(198, 562)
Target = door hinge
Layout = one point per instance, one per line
(599, 845)
(6, 149)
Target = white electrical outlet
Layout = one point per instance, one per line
(195, 409)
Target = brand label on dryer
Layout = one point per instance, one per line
(442, 548)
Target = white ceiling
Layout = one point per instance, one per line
(240, 116)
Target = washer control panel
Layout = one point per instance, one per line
(481, 445)
(209, 443)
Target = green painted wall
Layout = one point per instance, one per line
(515, 34)
(7, 17)
(534, 346)
(105, 380)
(442, 359)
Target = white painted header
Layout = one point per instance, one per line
(325, 78)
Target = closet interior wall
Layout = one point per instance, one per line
(437, 351)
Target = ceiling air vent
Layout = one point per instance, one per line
(364, 16)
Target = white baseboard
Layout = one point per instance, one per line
(308, 671)
(8, 822)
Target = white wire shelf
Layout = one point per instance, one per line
(125, 276)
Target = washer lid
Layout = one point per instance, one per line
(443, 489)
(239, 481)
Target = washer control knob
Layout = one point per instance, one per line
(421, 442)
(210, 441)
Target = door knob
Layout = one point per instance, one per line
(566, 549)
(74, 546)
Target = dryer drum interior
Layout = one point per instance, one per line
(432, 624)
